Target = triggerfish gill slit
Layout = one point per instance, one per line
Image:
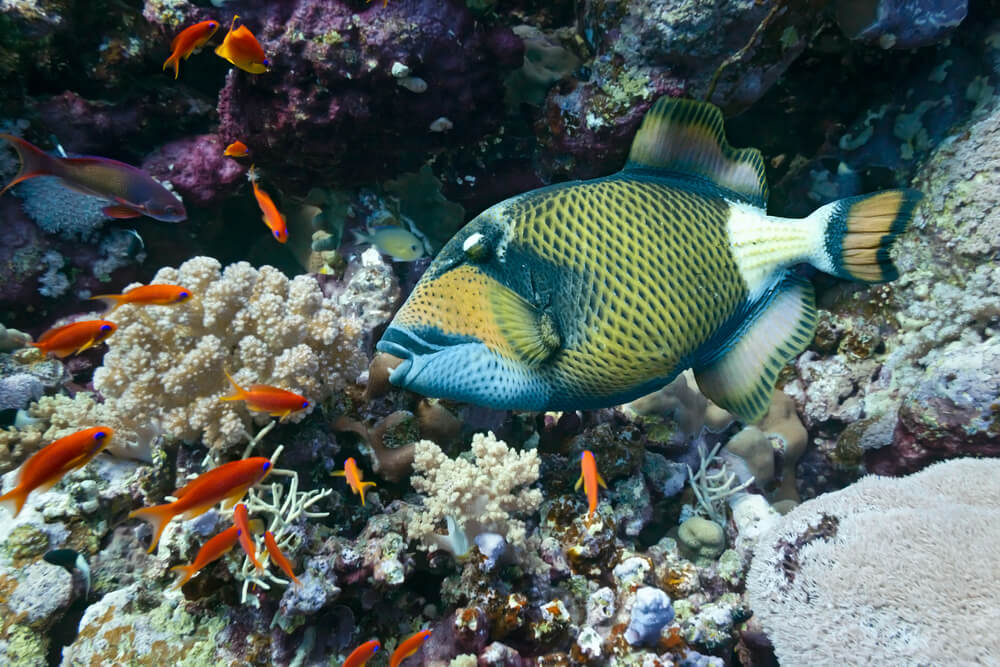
(589, 294)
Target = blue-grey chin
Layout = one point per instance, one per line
(463, 370)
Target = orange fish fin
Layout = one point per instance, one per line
(111, 301)
(232, 499)
(34, 162)
(86, 346)
(157, 517)
(579, 482)
(187, 571)
(338, 473)
(175, 61)
(241, 393)
(121, 212)
(14, 500)
(600, 480)
(361, 490)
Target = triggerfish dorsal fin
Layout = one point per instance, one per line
(781, 326)
(530, 332)
(687, 138)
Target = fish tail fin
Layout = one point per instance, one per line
(361, 490)
(186, 572)
(174, 60)
(14, 500)
(157, 517)
(34, 161)
(240, 394)
(859, 232)
(110, 301)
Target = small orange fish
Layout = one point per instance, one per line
(242, 49)
(75, 338)
(211, 551)
(353, 475)
(188, 41)
(590, 478)
(408, 647)
(274, 220)
(241, 518)
(362, 654)
(146, 295)
(265, 398)
(47, 466)
(278, 557)
(236, 149)
(229, 482)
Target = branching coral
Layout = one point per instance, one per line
(479, 495)
(712, 486)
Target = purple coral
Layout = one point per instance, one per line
(197, 169)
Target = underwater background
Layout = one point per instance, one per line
(856, 523)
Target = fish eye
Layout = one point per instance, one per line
(182, 296)
(476, 248)
(277, 234)
(265, 62)
(100, 435)
(105, 327)
(267, 465)
(305, 404)
(213, 24)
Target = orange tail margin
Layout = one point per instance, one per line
(34, 162)
(14, 500)
(240, 394)
(175, 60)
(157, 517)
(187, 571)
(111, 301)
(361, 490)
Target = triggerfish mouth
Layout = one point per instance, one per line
(589, 294)
(130, 192)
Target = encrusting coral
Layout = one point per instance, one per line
(480, 496)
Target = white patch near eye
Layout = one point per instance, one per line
(471, 241)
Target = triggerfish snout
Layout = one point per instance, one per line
(589, 294)
(130, 192)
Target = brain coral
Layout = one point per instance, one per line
(164, 366)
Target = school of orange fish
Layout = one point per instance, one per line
(125, 187)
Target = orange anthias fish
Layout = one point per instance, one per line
(242, 49)
(353, 475)
(50, 463)
(361, 654)
(408, 647)
(229, 482)
(278, 557)
(265, 398)
(188, 41)
(590, 478)
(241, 518)
(130, 192)
(236, 149)
(146, 295)
(211, 551)
(274, 220)
(74, 338)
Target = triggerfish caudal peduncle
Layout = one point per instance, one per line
(242, 49)
(353, 475)
(229, 482)
(211, 551)
(75, 337)
(145, 295)
(590, 479)
(589, 294)
(130, 192)
(47, 466)
(188, 41)
(274, 401)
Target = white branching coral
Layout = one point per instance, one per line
(474, 496)
(165, 365)
(713, 483)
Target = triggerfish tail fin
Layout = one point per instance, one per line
(686, 139)
(741, 379)
(34, 162)
(14, 500)
(240, 393)
(110, 301)
(157, 517)
(860, 232)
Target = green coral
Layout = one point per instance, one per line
(26, 542)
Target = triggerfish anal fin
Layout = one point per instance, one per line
(688, 138)
(743, 378)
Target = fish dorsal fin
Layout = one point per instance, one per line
(686, 138)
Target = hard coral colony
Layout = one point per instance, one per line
(617, 418)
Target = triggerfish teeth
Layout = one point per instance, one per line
(188, 41)
(228, 484)
(353, 475)
(590, 479)
(130, 192)
(362, 654)
(48, 465)
(74, 338)
(589, 294)
(274, 401)
(241, 519)
(211, 551)
(242, 49)
(408, 647)
(279, 558)
(146, 295)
